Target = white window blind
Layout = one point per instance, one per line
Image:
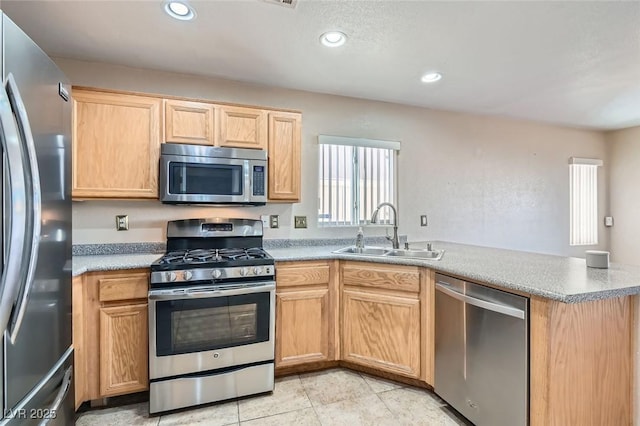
(356, 175)
(583, 193)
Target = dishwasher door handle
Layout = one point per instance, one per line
(490, 306)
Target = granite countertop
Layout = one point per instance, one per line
(566, 279)
(112, 262)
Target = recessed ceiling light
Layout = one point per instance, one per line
(431, 77)
(333, 38)
(179, 10)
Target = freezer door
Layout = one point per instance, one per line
(52, 403)
(44, 320)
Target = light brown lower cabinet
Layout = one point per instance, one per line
(306, 313)
(77, 318)
(581, 362)
(377, 316)
(123, 349)
(385, 324)
(113, 328)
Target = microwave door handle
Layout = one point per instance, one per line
(17, 215)
(247, 181)
(33, 203)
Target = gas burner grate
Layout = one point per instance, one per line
(202, 256)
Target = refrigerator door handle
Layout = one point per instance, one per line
(62, 394)
(24, 129)
(17, 214)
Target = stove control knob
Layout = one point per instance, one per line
(171, 276)
(216, 273)
(188, 275)
(244, 271)
(257, 270)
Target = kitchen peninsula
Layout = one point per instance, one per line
(581, 319)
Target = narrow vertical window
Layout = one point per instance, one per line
(356, 175)
(583, 193)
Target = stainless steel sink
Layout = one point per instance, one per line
(388, 252)
(422, 254)
(367, 251)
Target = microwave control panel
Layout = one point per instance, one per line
(258, 180)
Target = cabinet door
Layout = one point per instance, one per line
(242, 127)
(123, 349)
(189, 122)
(116, 145)
(284, 156)
(302, 327)
(381, 331)
(79, 352)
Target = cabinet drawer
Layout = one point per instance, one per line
(125, 287)
(302, 273)
(402, 278)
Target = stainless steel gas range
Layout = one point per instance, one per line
(211, 314)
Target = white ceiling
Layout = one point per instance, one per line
(574, 63)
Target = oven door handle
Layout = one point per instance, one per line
(211, 291)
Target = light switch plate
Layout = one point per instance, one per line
(265, 220)
(300, 221)
(608, 221)
(423, 220)
(273, 221)
(122, 222)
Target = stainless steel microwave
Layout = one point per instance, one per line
(198, 174)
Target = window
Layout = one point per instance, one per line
(583, 194)
(356, 175)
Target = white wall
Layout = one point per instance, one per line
(481, 180)
(624, 190)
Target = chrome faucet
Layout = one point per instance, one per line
(374, 218)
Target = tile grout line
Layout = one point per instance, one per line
(365, 380)
(313, 407)
(277, 414)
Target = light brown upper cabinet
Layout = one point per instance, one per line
(189, 122)
(284, 156)
(116, 143)
(242, 127)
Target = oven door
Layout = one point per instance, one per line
(210, 327)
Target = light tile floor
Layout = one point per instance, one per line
(331, 397)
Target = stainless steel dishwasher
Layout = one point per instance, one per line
(481, 362)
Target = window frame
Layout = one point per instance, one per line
(579, 199)
(355, 178)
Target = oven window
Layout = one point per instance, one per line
(184, 326)
(205, 179)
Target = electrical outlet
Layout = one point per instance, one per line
(423, 220)
(300, 221)
(608, 221)
(265, 220)
(273, 221)
(122, 222)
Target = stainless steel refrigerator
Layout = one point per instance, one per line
(36, 356)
